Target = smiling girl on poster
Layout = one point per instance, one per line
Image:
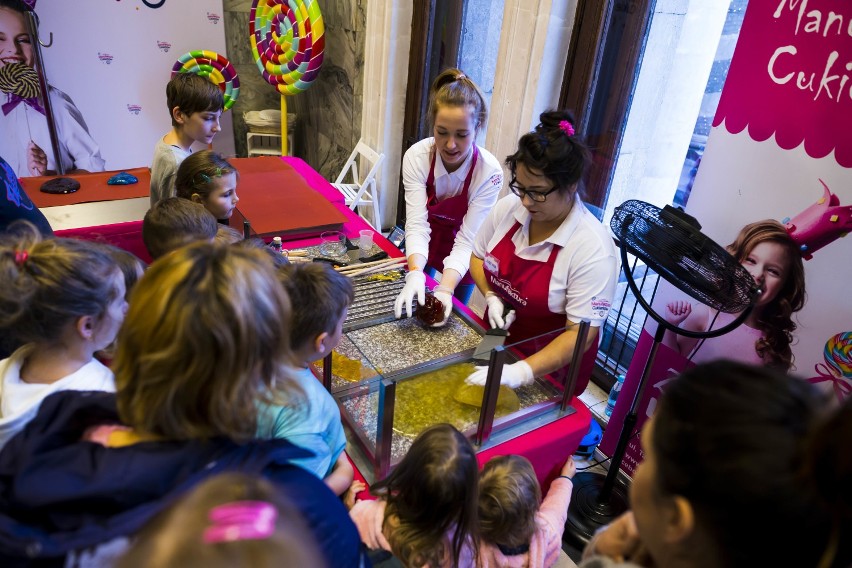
(450, 186)
(773, 259)
(25, 143)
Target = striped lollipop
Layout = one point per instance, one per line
(287, 41)
(19, 79)
(838, 353)
(213, 66)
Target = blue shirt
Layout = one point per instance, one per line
(314, 426)
(16, 204)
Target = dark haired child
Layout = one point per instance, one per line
(426, 514)
(320, 297)
(173, 223)
(195, 105)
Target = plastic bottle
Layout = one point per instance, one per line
(613, 395)
(276, 244)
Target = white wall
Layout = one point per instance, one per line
(678, 56)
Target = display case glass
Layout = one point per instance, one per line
(393, 378)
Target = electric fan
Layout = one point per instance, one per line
(669, 242)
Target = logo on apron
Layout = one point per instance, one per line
(491, 263)
(512, 295)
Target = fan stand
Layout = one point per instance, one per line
(597, 499)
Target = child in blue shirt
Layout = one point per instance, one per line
(320, 298)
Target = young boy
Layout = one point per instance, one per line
(174, 222)
(195, 105)
(320, 298)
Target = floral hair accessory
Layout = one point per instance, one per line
(204, 179)
(566, 127)
(241, 520)
(21, 257)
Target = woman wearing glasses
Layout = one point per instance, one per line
(543, 261)
(450, 186)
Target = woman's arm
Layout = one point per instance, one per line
(477, 272)
(415, 169)
(560, 351)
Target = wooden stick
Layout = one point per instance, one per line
(384, 261)
(381, 266)
(297, 252)
(373, 270)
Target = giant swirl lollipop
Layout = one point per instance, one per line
(21, 81)
(287, 41)
(213, 66)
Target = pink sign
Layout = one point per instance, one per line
(667, 365)
(791, 76)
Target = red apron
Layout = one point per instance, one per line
(445, 217)
(524, 285)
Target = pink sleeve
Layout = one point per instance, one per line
(550, 520)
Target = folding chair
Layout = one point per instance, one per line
(361, 193)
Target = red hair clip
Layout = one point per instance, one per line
(241, 520)
(566, 127)
(21, 257)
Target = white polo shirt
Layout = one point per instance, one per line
(484, 188)
(582, 285)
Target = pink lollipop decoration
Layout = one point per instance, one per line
(287, 41)
(213, 66)
(838, 365)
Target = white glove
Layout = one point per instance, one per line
(495, 312)
(446, 297)
(515, 375)
(415, 285)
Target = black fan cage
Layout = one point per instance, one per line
(671, 243)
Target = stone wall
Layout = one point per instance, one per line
(329, 112)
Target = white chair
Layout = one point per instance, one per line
(361, 192)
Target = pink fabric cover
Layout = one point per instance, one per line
(127, 236)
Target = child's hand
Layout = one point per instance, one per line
(36, 159)
(677, 311)
(349, 498)
(619, 540)
(570, 468)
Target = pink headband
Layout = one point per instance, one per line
(241, 520)
(566, 127)
(21, 257)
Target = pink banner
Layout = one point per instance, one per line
(790, 76)
(667, 365)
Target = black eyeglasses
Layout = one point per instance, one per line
(537, 196)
